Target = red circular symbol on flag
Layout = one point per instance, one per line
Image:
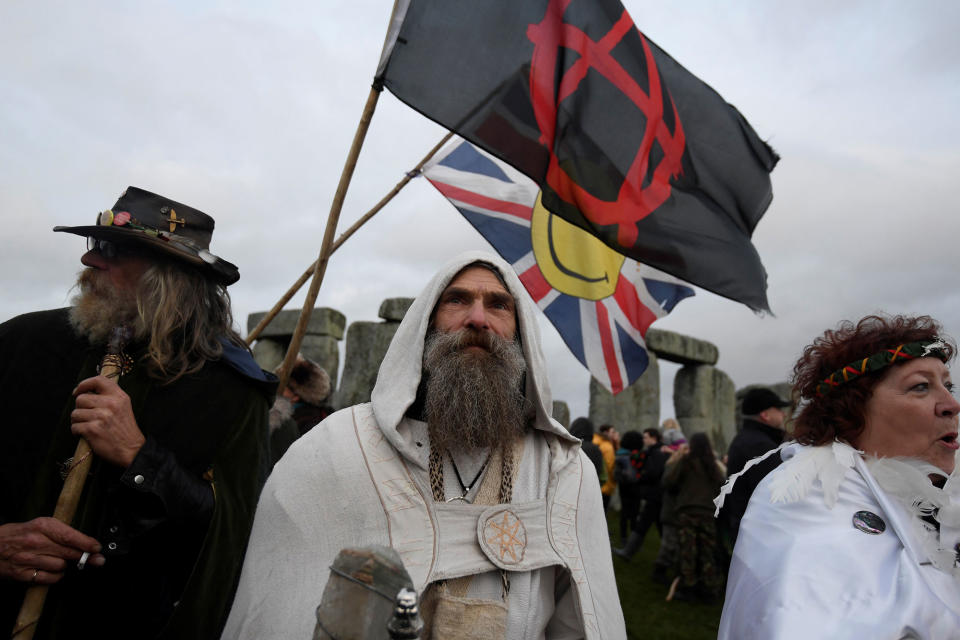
(634, 201)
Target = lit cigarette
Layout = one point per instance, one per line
(83, 560)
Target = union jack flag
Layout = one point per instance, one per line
(605, 327)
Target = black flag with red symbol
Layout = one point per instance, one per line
(623, 141)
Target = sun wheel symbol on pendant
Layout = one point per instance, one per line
(507, 536)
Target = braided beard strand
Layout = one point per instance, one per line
(474, 398)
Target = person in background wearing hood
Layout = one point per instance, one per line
(457, 465)
(648, 490)
(582, 429)
(179, 440)
(300, 407)
(671, 435)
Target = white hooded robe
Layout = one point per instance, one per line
(360, 478)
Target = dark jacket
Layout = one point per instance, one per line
(693, 488)
(754, 439)
(174, 539)
(596, 457)
(652, 473)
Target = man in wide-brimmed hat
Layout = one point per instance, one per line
(178, 440)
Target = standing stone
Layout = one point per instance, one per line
(367, 344)
(324, 321)
(320, 341)
(561, 413)
(704, 400)
(269, 352)
(635, 408)
(679, 348)
(724, 411)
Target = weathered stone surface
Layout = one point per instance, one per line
(323, 322)
(724, 411)
(325, 351)
(635, 408)
(367, 343)
(693, 392)
(393, 309)
(561, 413)
(704, 400)
(269, 353)
(676, 347)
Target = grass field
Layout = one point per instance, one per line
(647, 614)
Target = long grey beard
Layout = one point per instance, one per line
(474, 399)
(98, 307)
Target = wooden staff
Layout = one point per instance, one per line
(32, 607)
(320, 266)
(410, 175)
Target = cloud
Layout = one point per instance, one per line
(247, 110)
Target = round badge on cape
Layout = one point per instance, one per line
(869, 522)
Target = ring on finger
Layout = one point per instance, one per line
(35, 573)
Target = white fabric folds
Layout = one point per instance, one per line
(824, 551)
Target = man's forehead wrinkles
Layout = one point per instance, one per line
(494, 294)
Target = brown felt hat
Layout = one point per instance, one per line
(157, 223)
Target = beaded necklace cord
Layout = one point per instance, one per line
(466, 488)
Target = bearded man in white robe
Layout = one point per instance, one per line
(457, 465)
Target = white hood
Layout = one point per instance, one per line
(401, 369)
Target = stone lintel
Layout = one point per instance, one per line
(324, 321)
(393, 309)
(677, 347)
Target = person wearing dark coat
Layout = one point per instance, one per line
(648, 491)
(694, 477)
(583, 428)
(179, 439)
(627, 466)
(762, 430)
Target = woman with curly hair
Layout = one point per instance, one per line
(857, 533)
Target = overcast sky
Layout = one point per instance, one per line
(246, 110)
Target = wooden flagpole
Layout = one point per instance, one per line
(410, 175)
(320, 266)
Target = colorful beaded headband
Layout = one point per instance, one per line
(920, 349)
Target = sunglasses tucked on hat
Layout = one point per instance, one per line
(154, 222)
(756, 400)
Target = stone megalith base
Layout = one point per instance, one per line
(635, 408)
(704, 399)
(324, 331)
(561, 413)
(367, 344)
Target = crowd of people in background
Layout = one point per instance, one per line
(660, 479)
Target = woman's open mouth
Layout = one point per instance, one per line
(950, 441)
